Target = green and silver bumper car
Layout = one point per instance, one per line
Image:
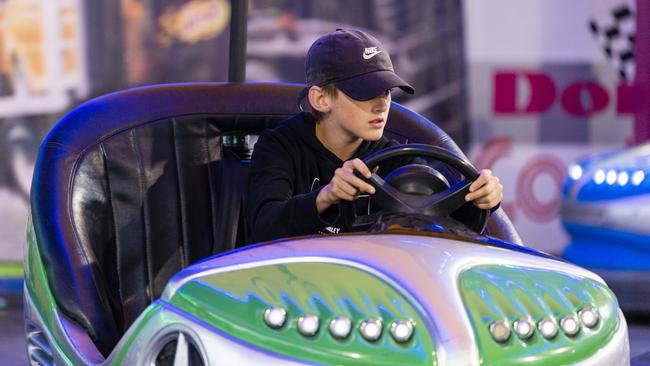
(133, 254)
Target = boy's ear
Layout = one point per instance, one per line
(318, 99)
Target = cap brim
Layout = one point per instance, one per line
(372, 84)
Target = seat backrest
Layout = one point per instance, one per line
(131, 187)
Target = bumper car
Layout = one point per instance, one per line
(605, 211)
(135, 254)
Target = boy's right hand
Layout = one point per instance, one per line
(344, 185)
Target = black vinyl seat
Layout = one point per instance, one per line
(131, 187)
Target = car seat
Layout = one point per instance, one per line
(131, 187)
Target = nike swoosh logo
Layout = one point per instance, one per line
(370, 55)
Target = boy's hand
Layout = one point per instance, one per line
(486, 192)
(344, 185)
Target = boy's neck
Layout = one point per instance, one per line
(336, 139)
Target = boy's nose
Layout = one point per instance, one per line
(381, 103)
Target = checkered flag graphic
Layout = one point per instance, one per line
(616, 35)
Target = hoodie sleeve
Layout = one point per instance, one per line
(272, 208)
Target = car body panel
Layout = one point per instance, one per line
(605, 210)
(496, 292)
(236, 300)
(403, 259)
(399, 261)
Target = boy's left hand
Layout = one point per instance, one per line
(486, 192)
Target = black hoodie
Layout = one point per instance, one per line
(289, 167)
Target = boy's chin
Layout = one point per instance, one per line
(373, 139)
(373, 135)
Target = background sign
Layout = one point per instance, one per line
(67, 51)
(56, 54)
(548, 85)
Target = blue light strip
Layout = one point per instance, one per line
(11, 285)
(591, 191)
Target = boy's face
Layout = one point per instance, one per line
(360, 119)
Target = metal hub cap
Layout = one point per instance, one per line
(588, 316)
(308, 325)
(371, 329)
(570, 325)
(401, 330)
(340, 327)
(174, 348)
(548, 328)
(275, 317)
(524, 328)
(500, 330)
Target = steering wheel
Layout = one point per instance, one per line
(440, 202)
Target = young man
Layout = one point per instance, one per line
(301, 170)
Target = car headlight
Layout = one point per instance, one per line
(326, 313)
(537, 317)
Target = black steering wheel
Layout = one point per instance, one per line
(441, 202)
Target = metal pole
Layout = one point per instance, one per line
(238, 33)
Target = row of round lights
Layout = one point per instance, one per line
(341, 327)
(524, 327)
(610, 176)
(622, 178)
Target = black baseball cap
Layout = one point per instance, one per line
(355, 62)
